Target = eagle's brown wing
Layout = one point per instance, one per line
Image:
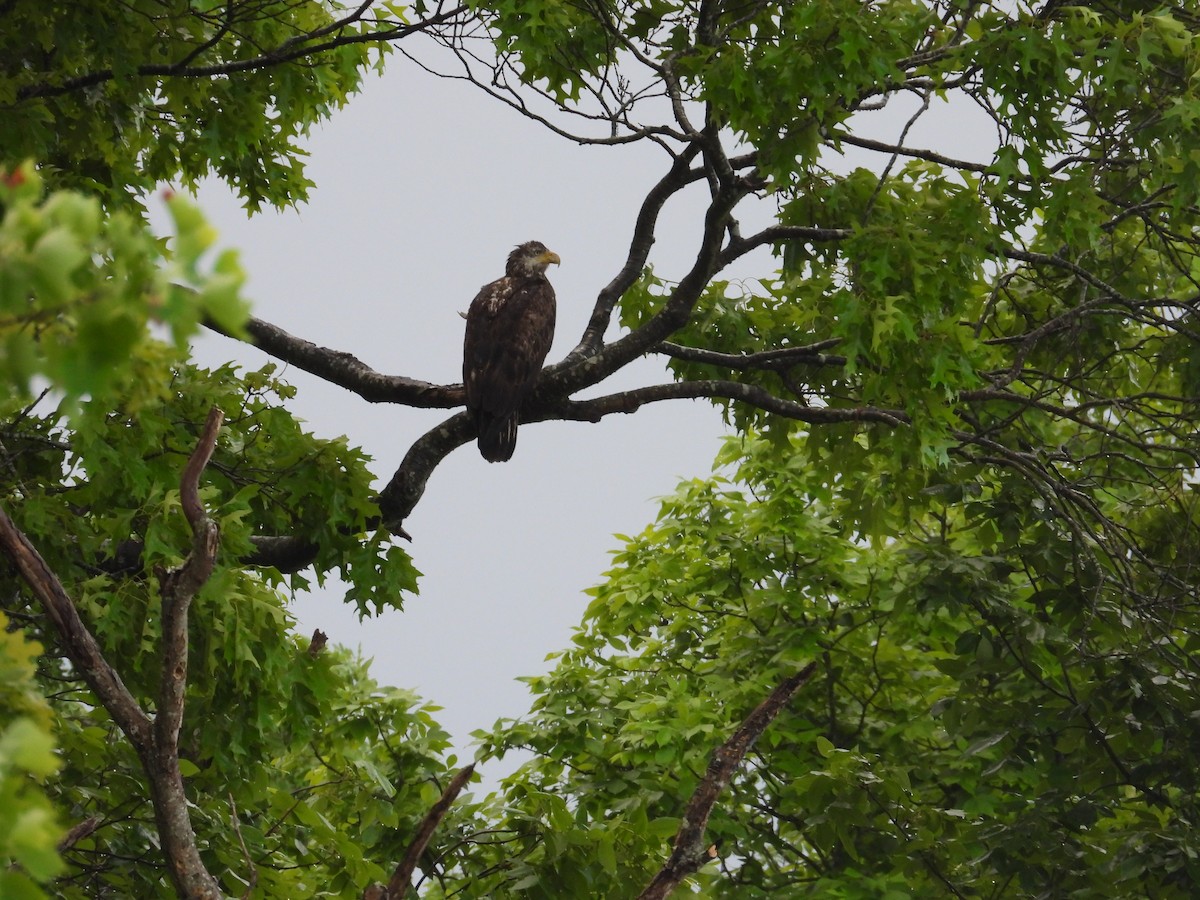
(510, 327)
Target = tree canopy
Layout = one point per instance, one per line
(929, 629)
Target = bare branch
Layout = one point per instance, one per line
(689, 852)
(679, 176)
(912, 152)
(347, 371)
(404, 491)
(178, 588)
(1066, 265)
(782, 359)
(592, 410)
(779, 234)
(401, 880)
(570, 375)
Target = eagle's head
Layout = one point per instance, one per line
(530, 260)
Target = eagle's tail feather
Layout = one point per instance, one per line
(497, 437)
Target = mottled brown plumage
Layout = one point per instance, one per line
(510, 326)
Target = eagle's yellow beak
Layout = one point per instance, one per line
(549, 257)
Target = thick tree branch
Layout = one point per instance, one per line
(287, 553)
(690, 852)
(404, 491)
(347, 371)
(401, 880)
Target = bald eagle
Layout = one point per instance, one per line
(509, 329)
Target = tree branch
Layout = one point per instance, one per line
(774, 360)
(80, 646)
(178, 588)
(404, 491)
(913, 152)
(679, 176)
(778, 234)
(401, 880)
(593, 409)
(571, 375)
(346, 370)
(689, 852)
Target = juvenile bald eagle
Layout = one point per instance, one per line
(509, 329)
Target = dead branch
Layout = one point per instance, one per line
(690, 852)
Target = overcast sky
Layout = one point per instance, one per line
(423, 187)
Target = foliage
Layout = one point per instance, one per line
(995, 718)
(113, 99)
(94, 460)
(28, 826)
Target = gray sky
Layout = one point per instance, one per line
(423, 186)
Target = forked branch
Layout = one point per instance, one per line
(155, 740)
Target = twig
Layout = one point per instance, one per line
(690, 852)
(291, 50)
(252, 880)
